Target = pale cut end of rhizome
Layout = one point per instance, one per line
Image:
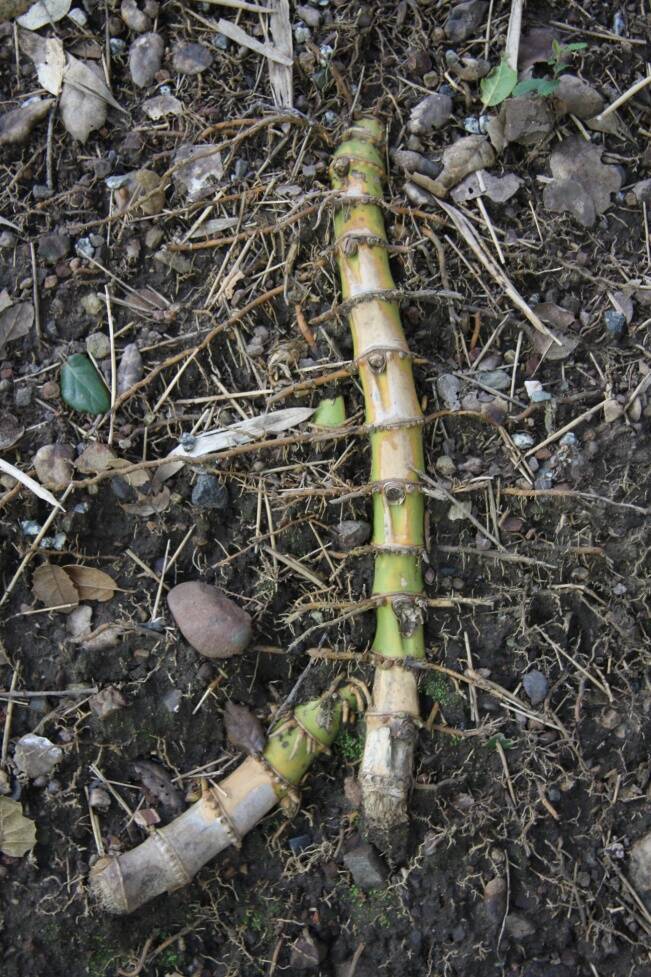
(394, 421)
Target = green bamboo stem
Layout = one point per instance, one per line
(394, 420)
(172, 856)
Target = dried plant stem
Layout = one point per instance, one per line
(394, 422)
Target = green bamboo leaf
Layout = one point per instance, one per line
(82, 387)
(540, 86)
(330, 413)
(498, 85)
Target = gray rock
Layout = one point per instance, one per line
(615, 322)
(536, 686)
(431, 113)
(522, 440)
(191, 59)
(309, 16)
(445, 466)
(519, 927)
(53, 247)
(172, 700)
(366, 867)
(497, 379)
(464, 19)
(23, 397)
(36, 756)
(98, 345)
(352, 533)
(209, 493)
(448, 387)
(135, 19)
(145, 57)
(641, 863)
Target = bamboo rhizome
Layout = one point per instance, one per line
(394, 422)
(172, 856)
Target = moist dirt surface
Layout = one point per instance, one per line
(523, 815)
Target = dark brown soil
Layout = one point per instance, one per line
(553, 812)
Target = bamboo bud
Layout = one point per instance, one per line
(172, 856)
(394, 419)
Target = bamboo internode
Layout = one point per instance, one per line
(394, 419)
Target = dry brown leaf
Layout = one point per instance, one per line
(16, 125)
(17, 833)
(466, 155)
(44, 12)
(92, 584)
(15, 321)
(148, 505)
(498, 188)
(536, 46)
(48, 57)
(84, 98)
(550, 350)
(53, 587)
(582, 184)
(554, 314)
(160, 785)
(243, 728)
(129, 368)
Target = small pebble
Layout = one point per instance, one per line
(191, 59)
(172, 700)
(536, 686)
(98, 345)
(53, 247)
(212, 623)
(615, 322)
(145, 57)
(209, 493)
(50, 390)
(522, 440)
(135, 19)
(445, 466)
(352, 533)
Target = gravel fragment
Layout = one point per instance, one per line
(641, 863)
(36, 756)
(448, 387)
(536, 686)
(352, 533)
(53, 247)
(366, 867)
(98, 345)
(145, 57)
(209, 493)
(191, 59)
(464, 19)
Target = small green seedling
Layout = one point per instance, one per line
(503, 80)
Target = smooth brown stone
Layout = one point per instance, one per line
(208, 620)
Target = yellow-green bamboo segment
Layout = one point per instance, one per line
(172, 856)
(394, 421)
